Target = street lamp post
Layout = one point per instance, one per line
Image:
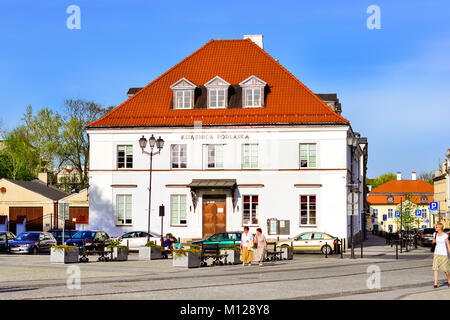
(352, 141)
(159, 144)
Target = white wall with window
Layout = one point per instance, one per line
(178, 156)
(178, 207)
(250, 156)
(124, 209)
(124, 156)
(214, 156)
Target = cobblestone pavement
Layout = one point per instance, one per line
(308, 276)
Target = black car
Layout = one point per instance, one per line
(58, 235)
(426, 236)
(91, 239)
(5, 238)
(33, 242)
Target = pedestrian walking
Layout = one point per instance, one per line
(261, 246)
(247, 244)
(441, 249)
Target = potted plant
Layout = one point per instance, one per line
(187, 257)
(151, 251)
(119, 253)
(64, 254)
(233, 252)
(287, 252)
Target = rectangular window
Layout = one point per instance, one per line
(250, 210)
(183, 99)
(249, 156)
(178, 209)
(308, 210)
(124, 157)
(375, 213)
(308, 155)
(253, 97)
(178, 157)
(214, 156)
(216, 98)
(424, 213)
(124, 213)
(390, 213)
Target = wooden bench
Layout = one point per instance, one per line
(212, 251)
(273, 255)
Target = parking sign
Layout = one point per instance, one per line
(418, 213)
(397, 214)
(433, 205)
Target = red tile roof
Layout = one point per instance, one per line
(399, 188)
(289, 101)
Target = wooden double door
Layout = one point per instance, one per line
(214, 214)
(34, 218)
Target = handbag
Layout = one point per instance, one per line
(433, 245)
(255, 242)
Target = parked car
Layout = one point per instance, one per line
(311, 241)
(222, 238)
(58, 235)
(6, 235)
(426, 236)
(92, 239)
(33, 242)
(136, 239)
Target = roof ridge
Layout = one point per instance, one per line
(297, 80)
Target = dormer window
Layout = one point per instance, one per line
(253, 92)
(217, 92)
(183, 94)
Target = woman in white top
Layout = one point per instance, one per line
(247, 243)
(440, 259)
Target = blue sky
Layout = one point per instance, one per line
(393, 83)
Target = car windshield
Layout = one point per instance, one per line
(26, 236)
(84, 235)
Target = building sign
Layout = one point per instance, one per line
(418, 213)
(215, 137)
(433, 205)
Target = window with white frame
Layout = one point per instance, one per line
(178, 209)
(178, 156)
(250, 210)
(375, 213)
(123, 209)
(214, 156)
(250, 156)
(183, 99)
(124, 156)
(308, 158)
(217, 98)
(390, 213)
(424, 213)
(253, 97)
(308, 210)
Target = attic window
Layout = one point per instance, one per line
(390, 199)
(183, 94)
(217, 92)
(253, 92)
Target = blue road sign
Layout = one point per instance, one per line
(433, 205)
(427, 221)
(397, 214)
(373, 220)
(384, 216)
(418, 213)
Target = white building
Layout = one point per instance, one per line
(245, 143)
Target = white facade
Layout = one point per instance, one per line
(278, 180)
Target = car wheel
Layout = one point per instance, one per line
(326, 249)
(34, 251)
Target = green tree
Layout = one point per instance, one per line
(426, 176)
(408, 208)
(376, 182)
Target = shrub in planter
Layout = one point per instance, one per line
(151, 251)
(119, 253)
(187, 258)
(64, 254)
(233, 254)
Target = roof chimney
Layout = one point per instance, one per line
(413, 176)
(399, 176)
(256, 38)
(43, 176)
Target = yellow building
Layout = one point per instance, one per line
(384, 201)
(76, 208)
(442, 190)
(31, 203)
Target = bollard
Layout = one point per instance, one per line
(406, 245)
(361, 249)
(342, 253)
(326, 252)
(401, 245)
(344, 244)
(415, 242)
(396, 250)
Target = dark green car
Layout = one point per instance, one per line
(223, 239)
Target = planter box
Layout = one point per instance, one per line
(149, 253)
(233, 256)
(190, 260)
(288, 253)
(120, 254)
(64, 255)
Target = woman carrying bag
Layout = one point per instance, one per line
(261, 246)
(441, 247)
(247, 243)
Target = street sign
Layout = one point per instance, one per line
(373, 220)
(384, 217)
(434, 205)
(397, 214)
(427, 221)
(418, 213)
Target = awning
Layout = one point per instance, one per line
(197, 184)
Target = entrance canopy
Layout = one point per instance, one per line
(197, 184)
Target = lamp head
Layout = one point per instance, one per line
(152, 142)
(142, 142)
(160, 143)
